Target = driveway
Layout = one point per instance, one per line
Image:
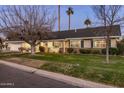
(14, 78)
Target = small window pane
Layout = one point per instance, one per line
(100, 43)
(75, 44)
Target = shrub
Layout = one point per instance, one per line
(76, 51)
(21, 49)
(61, 50)
(90, 51)
(85, 51)
(65, 68)
(85, 72)
(112, 51)
(95, 51)
(42, 49)
(70, 50)
(28, 49)
(103, 51)
(120, 46)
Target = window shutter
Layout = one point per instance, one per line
(91, 43)
(82, 43)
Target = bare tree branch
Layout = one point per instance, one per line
(31, 23)
(109, 16)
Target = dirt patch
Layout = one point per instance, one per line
(27, 62)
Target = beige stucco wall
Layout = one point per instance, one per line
(51, 48)
(49, 45)
(26, 45)
(14, 46)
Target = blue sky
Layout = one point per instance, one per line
(81, 13)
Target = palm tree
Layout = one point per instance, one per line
(87, 22)
(58, 17)
(69, 13)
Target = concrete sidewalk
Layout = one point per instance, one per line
(57, 76)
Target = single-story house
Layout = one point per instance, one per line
(93, 37)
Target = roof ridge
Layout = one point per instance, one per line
(87, 28)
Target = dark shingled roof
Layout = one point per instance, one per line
(87, 32)
(80, 33)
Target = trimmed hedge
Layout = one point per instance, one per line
(120, 46)
(112, 51)
(85, 51)
(90, 51)
(70, 50)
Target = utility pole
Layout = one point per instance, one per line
(59, 18)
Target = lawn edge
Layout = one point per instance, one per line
(57, 76)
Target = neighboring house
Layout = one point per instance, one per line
(79, 38)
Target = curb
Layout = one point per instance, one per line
(56, 76)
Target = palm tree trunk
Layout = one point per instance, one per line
(69, 23)
(58, 17)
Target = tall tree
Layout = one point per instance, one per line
(69, 13)
(32, 23)
(109, 16)
(58, 17)
(12, 35)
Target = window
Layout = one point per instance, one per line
(87, 43)
(57, 44)
(113, 43)
(45, 44)
(100, 44)
(75, 43)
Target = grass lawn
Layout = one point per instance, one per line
(91, 67)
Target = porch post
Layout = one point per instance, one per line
(69, 43)
(64, 46)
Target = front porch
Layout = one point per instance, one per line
(56, 46)
(61, 45)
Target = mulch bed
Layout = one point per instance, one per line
(26, 62)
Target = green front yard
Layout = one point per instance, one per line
(91, 67)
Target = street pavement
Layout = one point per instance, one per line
(14, 78)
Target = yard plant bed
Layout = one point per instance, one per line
(26, 62)
(90, 67)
